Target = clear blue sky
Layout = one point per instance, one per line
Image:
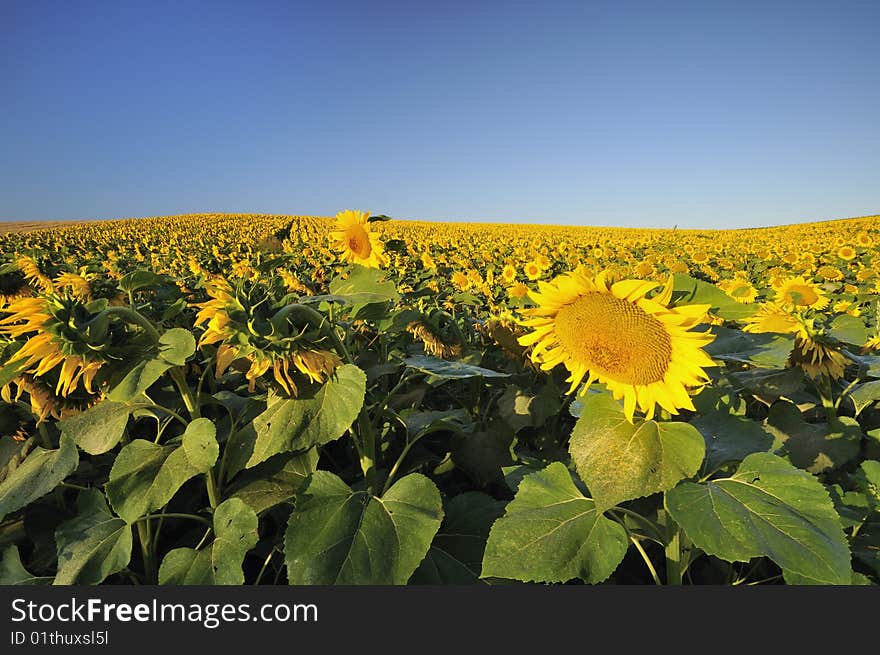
(700, 114)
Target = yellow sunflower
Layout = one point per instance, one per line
(532, 270)
(800, 293)
(772, 317)
(641, 349)
(738, 289)
(355, 242)
(509, 273)
(847, 253)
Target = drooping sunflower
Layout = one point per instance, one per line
(800, 292)
(355, 242)
(815, 357)
(260, 336)
(63, 353)
(639, 347)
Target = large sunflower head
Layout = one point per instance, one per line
(642, 350)
(257, 334)
(355, 242)
(66, 344)
(800, 293)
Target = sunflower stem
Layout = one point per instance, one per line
(211, 486)
(192, 405)
(143, 529)
(674, 567)
(134, 317)
(823, 387)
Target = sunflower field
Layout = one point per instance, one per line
(261, 399)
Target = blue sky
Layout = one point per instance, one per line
(696, 114)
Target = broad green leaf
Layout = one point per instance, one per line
(812, 446)
(12, 571)
(176, 346)
(456, 555)
(138, 379)
(767, 508)
(300, 423)
(200, 444)
(450, 369)
(235, 530)
(864, 394)
(339, 536)
(277, 480)
(99, 428)
(92, 545)
(730, 438)
(145, 476)
(550, 532)
(619, 460)
(142, 279)
(39, 473)
(186, 566)
(769, 382)
(848, 329)
(767, 350)
(697, 292)
(366, 289)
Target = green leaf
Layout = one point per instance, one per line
(769, 383)
(812, 446)
(138, 379)
(41, 471)
(730, 438)
(550, 532)
(619, 460)
(176, 346)
(767, 350)
(235, 529)
(141, 279)
(92, 545)
(697, 292)
(771, 509)
(456, 555)
(277, 480)
(12, 572)
(449, 369)
(145, 476)
(848, 329)
(99, 428)
(364, 286)
(339, 536)
(200, 444)
(864, 394)
(300, 423)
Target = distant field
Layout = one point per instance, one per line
(30, 226)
